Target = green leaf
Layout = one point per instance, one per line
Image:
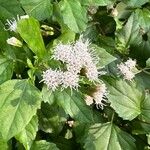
(3, 145)
(6, 11)
(104, 58)
(135, 3)
(29, 28)
(74, 15)
(128, 35)
(108, 137)
(40, 9)
(148, 63)
(143, 18)
(73, 103)
(27, 135)
(6, 69)
(19, 101)
(145, 109)
(125, 98)
(51, 118)
(43, 145)
(97, 2)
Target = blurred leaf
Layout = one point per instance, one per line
(3, 145)
(19, 103)
(43, 145)
(6, 11)
(135, 3)
(140, 127)
(148, 63)
(27, 135)
(145, 109)
(97, 2)
(29, 28)
(71, 17)
(108, 137)
(40, 9)
(125, 98)
(51, 118)
(6, 69)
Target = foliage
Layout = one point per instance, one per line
(35, 117)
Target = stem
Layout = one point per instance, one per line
(112, 117)
(19, 60)
(146, 72)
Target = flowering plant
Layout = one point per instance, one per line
(74, 74)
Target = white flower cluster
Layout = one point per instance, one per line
(99, 97)
(76, 56)
(55, 78)
(12, 24)
(126, 69)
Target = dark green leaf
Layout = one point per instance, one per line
(74, 105)
(125, 98)
(51, 118)
(128, 35)
(104, 58)
(108, 137)
(19, 101)
(43, 145)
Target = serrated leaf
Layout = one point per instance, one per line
(6, 69)
(71, 17)
(19, 101)
(104, 58)
(43, 145)
(27, 135)
(125, 98)
(29, 28)
(108, 137)
(73, 103)
(40, 9)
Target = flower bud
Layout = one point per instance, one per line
(14, 41)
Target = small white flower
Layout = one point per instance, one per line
(63, 53)
(12, 24)
(130, 63)
(52, 78)
(100, 96)
(70, 79)
(24, 17)
(88, 100)
(14, 41)
(126, 69)
(92, 72)
(70, 123)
